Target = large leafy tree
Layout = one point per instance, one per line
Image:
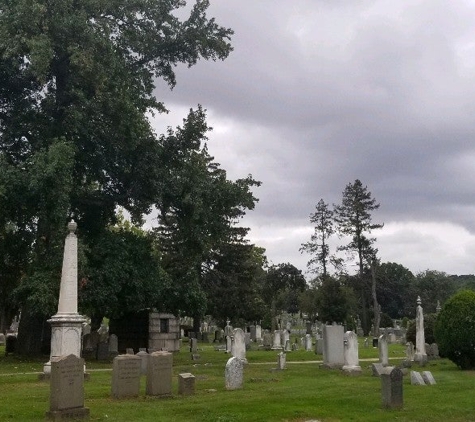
(76, 80)
(281, 288)
(354, 220)
(198, 214)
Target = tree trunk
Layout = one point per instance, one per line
(32, 337)
(376, 309)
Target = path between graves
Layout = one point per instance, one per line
(250, 363)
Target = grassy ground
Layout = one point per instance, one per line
(302, 392)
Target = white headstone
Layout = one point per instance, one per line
(277, 340)
(351, 353)
(383, 350)
(238, 345)
(234, 374)
(281, 360)
(333, 346)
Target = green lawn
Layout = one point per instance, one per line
(301, 392)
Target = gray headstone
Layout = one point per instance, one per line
(377, 369)
(159, 374)
(416, 378)
(391, 389)
(281, 360)
(126, 376)
(113, 345)
(2, 339)
(193, 345)
(351, 365)
(144, 356)
(383, 350)
(238, 345)
(67, 388)
(234, 374)
(186, 384)
(428, 378)
(333, 346)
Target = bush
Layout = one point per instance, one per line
(386, 321)
(429, 325)
(455, 327)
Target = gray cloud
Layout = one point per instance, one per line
(319, 93)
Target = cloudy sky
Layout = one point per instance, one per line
(318, 93)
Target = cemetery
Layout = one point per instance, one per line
(196, 390)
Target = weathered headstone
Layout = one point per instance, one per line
(416, 378)
(428, 378)
(67, 389)
(229, 343)
(238, 345)
(186, 384)
(420, 355)
(281, 360)
(435, 351)
(193, 345)
(113, 346)
(234, 374)
(144, 361)
(126, 376)
(252, 332)
(383, 350)
(351, 365)
(277, 345)
(284, 337)
(377, 369)
(102, 351)
(2, 339)
(333, 353)
(319, 346)
(308, 342)
(267, 340)
(258, 332)
(391, 389)
(409, 351)
(159, 374)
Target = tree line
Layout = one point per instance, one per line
(77, 84)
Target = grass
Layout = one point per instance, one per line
(300, 393)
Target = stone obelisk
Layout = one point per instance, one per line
(420, 355)
(66, 325)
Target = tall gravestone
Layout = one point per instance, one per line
(67, 389)
(420, 355)
(234, 374)
(352, 365)
(277, 340)
(333, 346)
(126, 371)
(66, 324)
(159, 374)
(383, 350)
(391, 389)
(238, 345)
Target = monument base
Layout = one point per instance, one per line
(68, 414)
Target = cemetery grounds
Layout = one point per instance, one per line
(302, 392)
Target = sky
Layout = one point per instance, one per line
(319, 93)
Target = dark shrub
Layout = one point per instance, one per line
(429, 324)
(455, 329)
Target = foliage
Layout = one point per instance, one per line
(394, 289)
(123, 274)
(77, 81)
(432, 286)
(198, 213)
(455, 327)
(318, 246)
(386, 321)
(233, 283)
(332, 301)
(353, 218)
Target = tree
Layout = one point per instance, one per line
(280, 280)
(454, 329)
(432, 286)
(354, 219)
(318, 246)
(123, 274)
(233, 283)
(394, 289)
(77, 79)
(333, 301)
(198, 214)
